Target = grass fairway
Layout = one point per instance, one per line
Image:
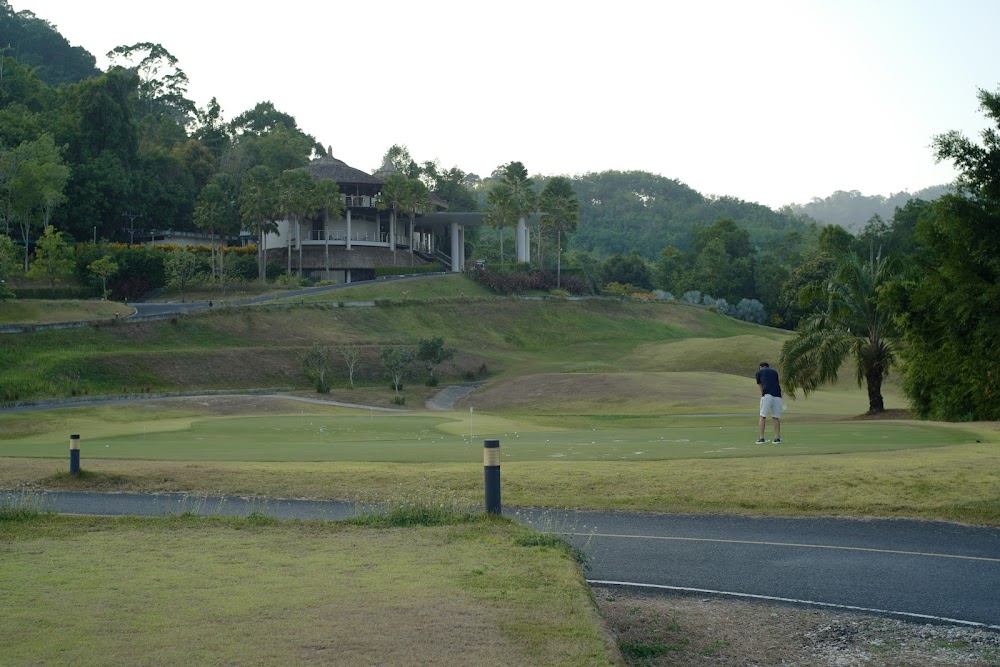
(213, 591)
(633, 462)
(439, 439)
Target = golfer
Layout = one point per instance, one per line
(770, 400)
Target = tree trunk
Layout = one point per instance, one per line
(875, 403)
(288, 230)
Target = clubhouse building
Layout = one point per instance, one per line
(349, 249)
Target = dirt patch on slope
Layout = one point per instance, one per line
(683, 631)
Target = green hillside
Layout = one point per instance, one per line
(550, 356)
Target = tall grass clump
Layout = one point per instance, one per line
(402, 509)
(18, 507)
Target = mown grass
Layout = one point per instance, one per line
(37, 311)
(217, 591)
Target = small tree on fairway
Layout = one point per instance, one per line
(433, 353)
(103, 269)
(395, 360)
(53, 259)
(351, 355)
(317, 360)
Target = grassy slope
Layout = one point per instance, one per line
(243, 348)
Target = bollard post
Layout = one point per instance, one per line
(74, 455)
(491, 475)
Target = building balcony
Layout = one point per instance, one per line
(360, 201)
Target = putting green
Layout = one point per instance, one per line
(452, 438)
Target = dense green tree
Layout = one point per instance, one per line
(901, 239)
(99, 117)
(951, 306)
(53, 259)
(854, 322)
(629, 269)
(798, 297)
(672, 268)
(451, 186)
(398, 158)
(8, 261)
(162, 84)
(40, 47)
(835, 241)
(560, 214)
(211, 131)
(32, 180)
(721, 262)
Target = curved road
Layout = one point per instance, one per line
(917, 570)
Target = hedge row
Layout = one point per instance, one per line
(517, 282)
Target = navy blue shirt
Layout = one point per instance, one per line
(767, 378)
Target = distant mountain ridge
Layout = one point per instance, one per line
(852, 210)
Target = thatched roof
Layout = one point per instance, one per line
(331, 167)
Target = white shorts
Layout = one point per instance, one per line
(770, 406)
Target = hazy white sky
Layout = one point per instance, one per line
(770, 101)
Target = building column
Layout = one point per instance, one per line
(523, 247)
(349, 229)
(455, 266)
(461, 248)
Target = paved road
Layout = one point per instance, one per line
(916, 570)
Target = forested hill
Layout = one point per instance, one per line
(625, 210)
(852, 210)
(35, 42)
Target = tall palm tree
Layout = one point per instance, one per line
(258, 208)
(395, 189)
(416, 199)
(296, 202)
(331, 205)
(560, 213)
(852, 323)
(522, 200)
(500, 211)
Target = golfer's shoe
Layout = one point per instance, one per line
(777, 441)
(762, 441)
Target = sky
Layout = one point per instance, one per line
(770, 101)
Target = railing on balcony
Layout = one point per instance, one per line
(359, 201)
(340, 236)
